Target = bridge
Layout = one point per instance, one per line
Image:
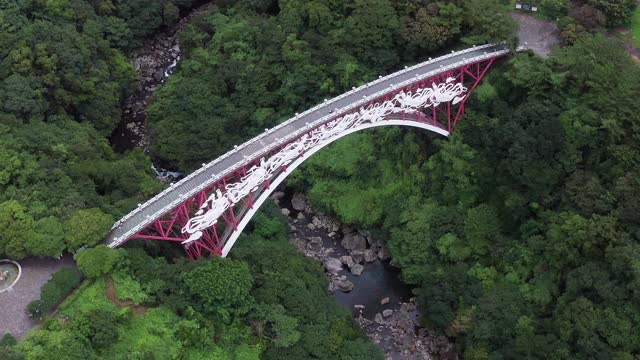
(207, 210)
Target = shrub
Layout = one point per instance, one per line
(36, 310)
(57, 288)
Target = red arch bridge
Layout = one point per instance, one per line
(207, 210)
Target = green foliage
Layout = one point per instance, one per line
(128, 289)
(87, 227)
(97, 261)
(59, 286)
(222, 287)
(89, 296)
(61, 85)
(17, 227)
(37, 310)
(99, 326)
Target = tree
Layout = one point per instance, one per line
(275, 324)
(37, 309)
(86, 227)
(97, 261)
(222, 287)
(369, 31)
(48, 238)
(486, 21)
(17, 226)
(99, 326)
(432, 27)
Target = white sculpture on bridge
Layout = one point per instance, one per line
(213, 208)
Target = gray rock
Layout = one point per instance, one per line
(354, 242)
(298, 243)
(378, 319)
(357, 269)
(311, 226)
(136, 107)
(383, 253)
(347, 260)
(315, 245)
(346, 229)
(298, 202)
(370, 256)
(331, 234)
(285, 211)
(387, 312)
(358, 306)
(357, 256)
(384, 301)
(301, 216)
(344, 285)
(278, 195)
(316, 222)
(292, 228)
(333, 265)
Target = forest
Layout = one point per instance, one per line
(519, 234)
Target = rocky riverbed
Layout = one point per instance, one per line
(154, 63)
(362, 280)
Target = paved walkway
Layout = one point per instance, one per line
(35, 272)
(541, 36)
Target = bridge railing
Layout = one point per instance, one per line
(248, 158)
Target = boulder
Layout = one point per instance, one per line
(347, 260)
(316, 222)
(357, 256)
(301, 216)
(370, 256)
(315, 244)
(357, 269)
(384, 301)
(311, 226)
(387, 312)
(383, 253)
(354, 242)
(285, 211)
(378, 319)
(344, 285)
(346, 229)
(298, 243)
(331, 234)
(333, 265)
(278, 195)
(358, 306)
(292, 228)
(298, 202)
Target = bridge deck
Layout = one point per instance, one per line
(271, 139)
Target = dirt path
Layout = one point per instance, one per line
(539, 35)
(110, 291)
(35, 272)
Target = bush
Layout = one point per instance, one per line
(7, 341)
(36, 310)
(58, 287)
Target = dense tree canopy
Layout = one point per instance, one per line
(519, 230)
(63, 77)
